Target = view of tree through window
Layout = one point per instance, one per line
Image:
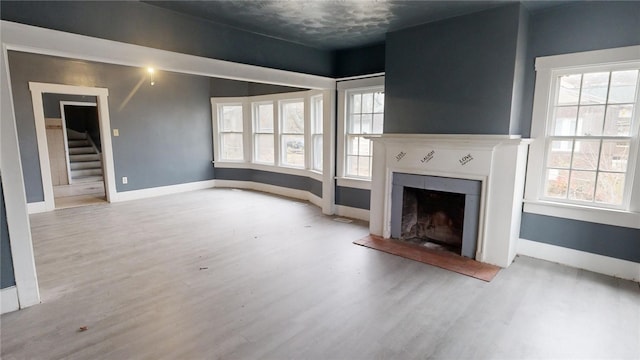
(231, 132)
(292, 130)
(263, 133)
(589, 137)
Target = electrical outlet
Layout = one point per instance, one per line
(125, 180)
(116, 132)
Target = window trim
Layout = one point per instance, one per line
(281, 132)
(216, 103)
(252, 106)
(344, 89)
(534, 200)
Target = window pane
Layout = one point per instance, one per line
(354, 125)
(264, 118)
(317, 152)
(353, 145)
(610, 188)
(559, 154)
(364, 166)
(615, 155)
(564, 123)
(364, 147)
(590, 120)
(293, 117)
(618, 120)
(367, 103)
(264, 148)
(582, 185)
(623, 86)
(569, 89)
(594, 88)
(377, 123)
(366, 123)
(231, 145)
(352, 165)
(378, 102)
(293, 150)
(356, 102)
(585, 154)
(231, 118)
(556, 183)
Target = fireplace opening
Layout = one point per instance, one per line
(438, 212)
(434, 219)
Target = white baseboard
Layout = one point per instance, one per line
(9, 300)
(36, 207)
(579, 259)
(351, 212)
(162, 190)
(272, 189)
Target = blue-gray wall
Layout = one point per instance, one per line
(359, 61)
(165, 130)
(7, 278)
(582, 26)
(267, 177)
(143, 24)
(51, 103)
(236, 88)
(454, 76)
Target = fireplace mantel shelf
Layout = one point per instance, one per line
(453, 139)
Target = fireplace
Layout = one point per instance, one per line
(480, 176)
(436, 212)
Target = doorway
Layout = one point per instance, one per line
(96, 168)
(76, 164)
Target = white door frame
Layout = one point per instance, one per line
(102, 94)
(64, 130)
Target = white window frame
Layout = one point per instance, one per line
(282, 133)
(548, 68)
(254, 130)
(344, 90)
(217, 123)
(316, 116)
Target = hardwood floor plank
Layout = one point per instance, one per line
(224, 274)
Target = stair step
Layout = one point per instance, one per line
(82, 150)
(75, 135)
(87, 179)
(79, 143)
(85, 172)
(84, 157)
(77, 165)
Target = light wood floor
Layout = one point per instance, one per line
(243, 275)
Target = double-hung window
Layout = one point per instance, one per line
(585, 131)
(361, 105)
(263, 133)
(292, 133)
(230, 131)
(316, 132)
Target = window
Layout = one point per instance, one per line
(316, 133)
(364, 117)
(583, 158)
(263, 133)
(292, 133)
(230, 132)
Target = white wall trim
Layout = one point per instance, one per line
(579, 259)
(353, 213)
(272, 189)
(9, 300)
(38, 40)
(584, 213)
(162, 190)
(15, 198)
(37, 207)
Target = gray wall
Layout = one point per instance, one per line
(143, 24)
(359, 61)
(51, 103)
(7, 278)
(165, 130)
(580, 27)
(227, 87)
(352, 197)
(266, 177)
(454, 76)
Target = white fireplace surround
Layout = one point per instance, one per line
(498, 161)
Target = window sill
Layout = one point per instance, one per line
(363, 184)
(620, 218)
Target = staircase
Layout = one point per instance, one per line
(84, 159)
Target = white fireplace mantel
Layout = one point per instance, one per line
(498, 161)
